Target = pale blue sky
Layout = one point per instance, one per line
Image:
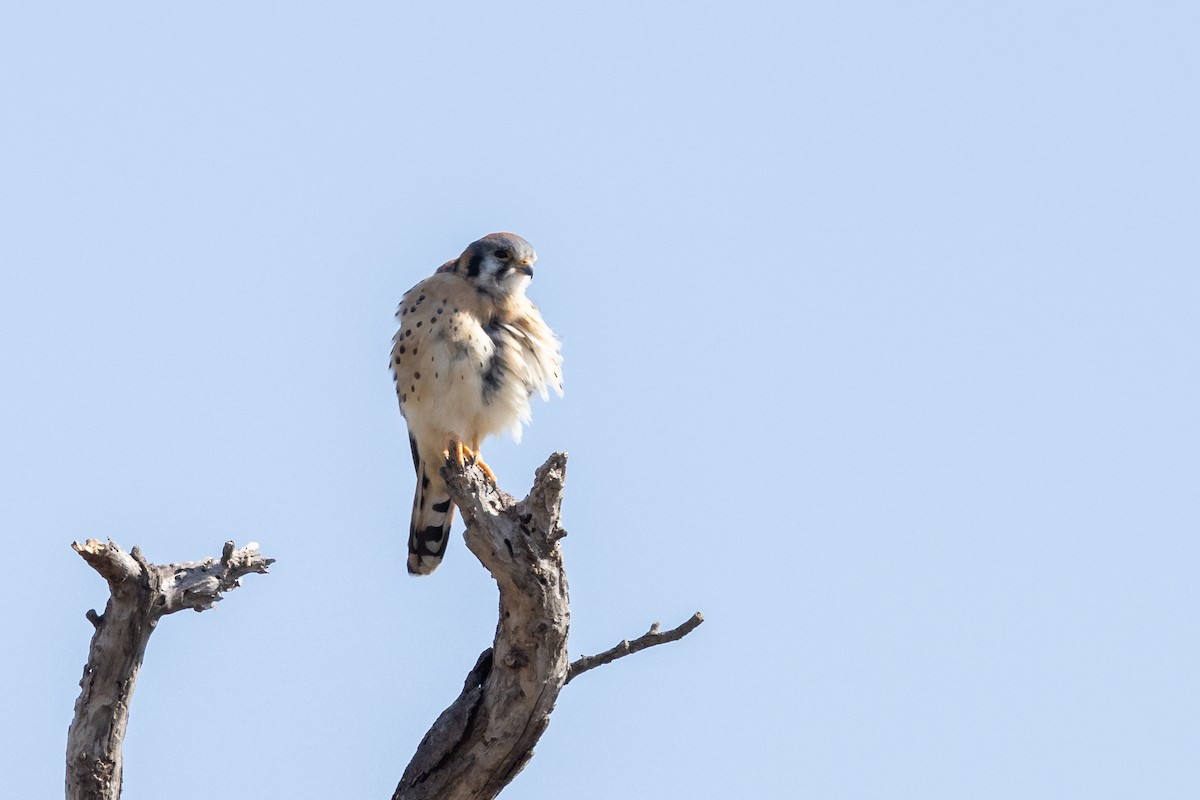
(880, 324)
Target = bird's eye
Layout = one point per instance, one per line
(503, 255)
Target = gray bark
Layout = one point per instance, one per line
(651, 638)
(487, 735)
(476, 747)
(479, 744)
(140, 594)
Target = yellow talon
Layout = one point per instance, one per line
(456, 451)
(478, 458)
(491, 476)
(461, 453)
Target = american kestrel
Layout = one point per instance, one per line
(470, 352)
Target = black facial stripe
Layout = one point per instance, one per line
(473, 264)
(442, 507)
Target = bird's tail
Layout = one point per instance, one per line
(431, 517)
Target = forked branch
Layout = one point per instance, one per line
(486, 736)
(140, 594)
(480, 743)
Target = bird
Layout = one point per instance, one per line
(470, 352)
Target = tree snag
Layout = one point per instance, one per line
(140, 594)
(479, 744)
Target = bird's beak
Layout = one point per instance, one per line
(526, 267)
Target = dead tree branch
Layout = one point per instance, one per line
(487, 735)
(140, 594)
(625, 648)
(479, 744)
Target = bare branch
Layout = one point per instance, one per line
(198, 584)
(116, 566)
(649, 639)
(140, 594)
(486, 736)
(479, 744)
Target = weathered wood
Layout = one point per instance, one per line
(480, 743)
(486, 736)
(140, 594)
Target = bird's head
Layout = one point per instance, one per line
(499, 264)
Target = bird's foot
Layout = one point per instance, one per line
(477, 459)
(457, 452)
(463, 455)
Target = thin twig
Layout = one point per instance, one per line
(650, 639)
